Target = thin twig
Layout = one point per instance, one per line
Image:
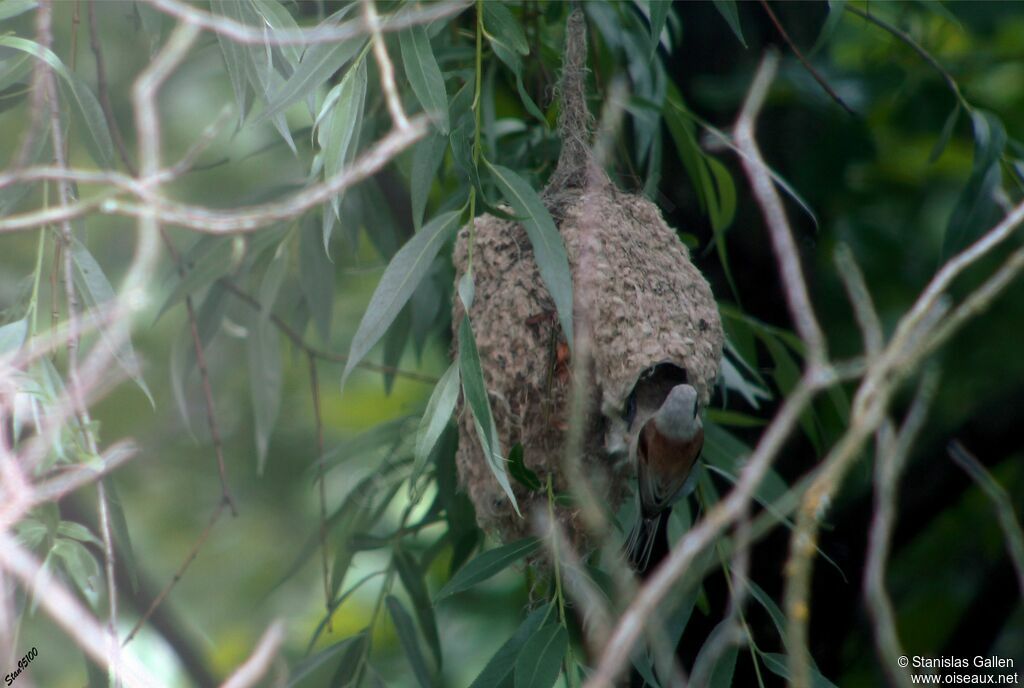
(860, 297)
(915, 46)
(786, 254)
(387, 70)
(103, 92)
(68, 613)
(215, 221)
(314, 389)
(1005, 512)
(193, 553)
(204, 378)
(43, 24)
(803, 60)
(890, 457)
(309, 349)
(250, 673)
(245, 33)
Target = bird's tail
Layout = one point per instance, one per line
(644, 537)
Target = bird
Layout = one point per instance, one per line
(666, 438)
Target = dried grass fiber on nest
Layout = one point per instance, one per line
(640, 298)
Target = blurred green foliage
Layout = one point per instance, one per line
(931, 158)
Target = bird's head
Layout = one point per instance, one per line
(678, 418)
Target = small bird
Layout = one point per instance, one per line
(666, 438)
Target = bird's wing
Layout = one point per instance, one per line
(663, 468)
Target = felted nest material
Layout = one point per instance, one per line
(639, 302)
(645, 303)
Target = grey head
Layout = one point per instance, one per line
(678, 419)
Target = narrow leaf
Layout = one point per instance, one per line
(403, 274)
(264, 352)
(500, 667)
(309, 665)
(426, 160)
(435, 418)
(503, 28)
(540, 661)
(424, 75)
(95, 289)
(410, 643)
(475, 392)
(548, 248)
(727, 8)
(316, 276)
(319, 62)
(486, 565)
(412, 579)
(88, 109)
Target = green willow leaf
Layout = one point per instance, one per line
(727, 8)
(548, 248)
(235, 57)
(424, 75)
(976, 209)
(500, 667)
(518, 469)
(400, 279)
(659, 13)
(264, 353)
(319, 62)
(308, 666)
(119, 532)
(945, 135)
(316, 277)
(502, 27)
(435, 419)
(426, 160)
(339, 135)
(412, 579)
(514, 62)
(96, 291)
(98, 142)
(410, 643)
(207, 260)
(12, 8)
(475, 392)
(540, 661)
(12, 336)
(486, 565)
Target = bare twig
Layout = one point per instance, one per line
(75, 389)
(213, 221)
(1005, 512)
(68, 613)
(309, 349)
(103, 92)
(204, 378)
(804, 61)
(387, 70)
(256, 666)
(890, 456)
(915, 46)
(860, 297)
(683, 554)
(786, 254)
(193, 553)
(244, 33)
(314, 389)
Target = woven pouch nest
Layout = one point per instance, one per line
(638, 302)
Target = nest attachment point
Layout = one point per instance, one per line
(638, 301)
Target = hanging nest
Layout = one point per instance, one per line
(639, 302)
